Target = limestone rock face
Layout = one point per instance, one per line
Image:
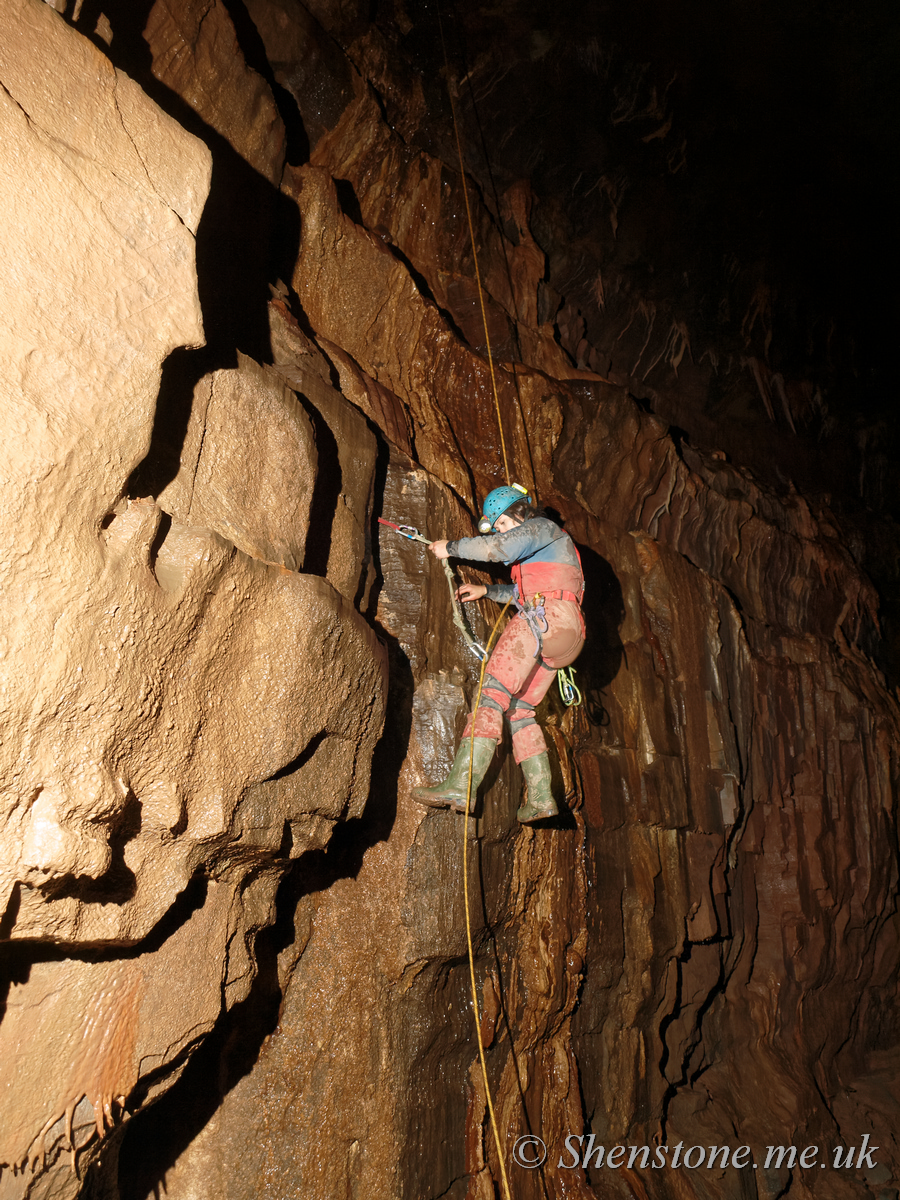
(194, 51)
(248, 465)
(235, 946)
(184, 713)
(123, 291)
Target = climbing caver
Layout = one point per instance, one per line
(547, 633)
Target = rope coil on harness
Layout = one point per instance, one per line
(568, 688)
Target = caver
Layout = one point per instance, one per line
(546, 634)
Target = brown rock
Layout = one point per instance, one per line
(248, 465)
(171, 704)
(338, 539)
(196, 54)
(306, 62)
(101, 1024)
(703, 948)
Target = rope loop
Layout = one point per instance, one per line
(568, 688)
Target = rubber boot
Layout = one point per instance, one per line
(452, 792)
(539, 803)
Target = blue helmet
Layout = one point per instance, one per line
(497, 502)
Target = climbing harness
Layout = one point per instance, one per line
(533, 613)
(459, 620)
(534, 616)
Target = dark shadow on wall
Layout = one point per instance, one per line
(18, 957)
(159, 1134)
(604, 611)
(326, 493)
(373, 541)
(248, 238)
(296, 139)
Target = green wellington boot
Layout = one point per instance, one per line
(453, 790)
(539, 803)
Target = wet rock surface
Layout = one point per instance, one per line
(235, 947)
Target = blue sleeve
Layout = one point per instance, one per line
(518, 543)
(501, 592)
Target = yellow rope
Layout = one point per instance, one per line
(490, 357)
(487, 1089)
(462, 175)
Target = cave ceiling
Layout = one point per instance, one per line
(727, 169)
(712, 185)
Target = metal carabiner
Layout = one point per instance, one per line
(568, 688)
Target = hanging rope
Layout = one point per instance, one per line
(462, 175)
(506, 471)
(413, 535)
(487, 1089)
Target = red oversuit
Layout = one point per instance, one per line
(548, 584)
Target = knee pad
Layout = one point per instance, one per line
(495, 695)
(527, 741)
(520, 714)
(488, 722)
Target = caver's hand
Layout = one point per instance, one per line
(471, 591)
(439, 549)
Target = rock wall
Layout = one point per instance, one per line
(236, 954)
(184, 710)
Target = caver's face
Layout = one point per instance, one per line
(504, 524)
